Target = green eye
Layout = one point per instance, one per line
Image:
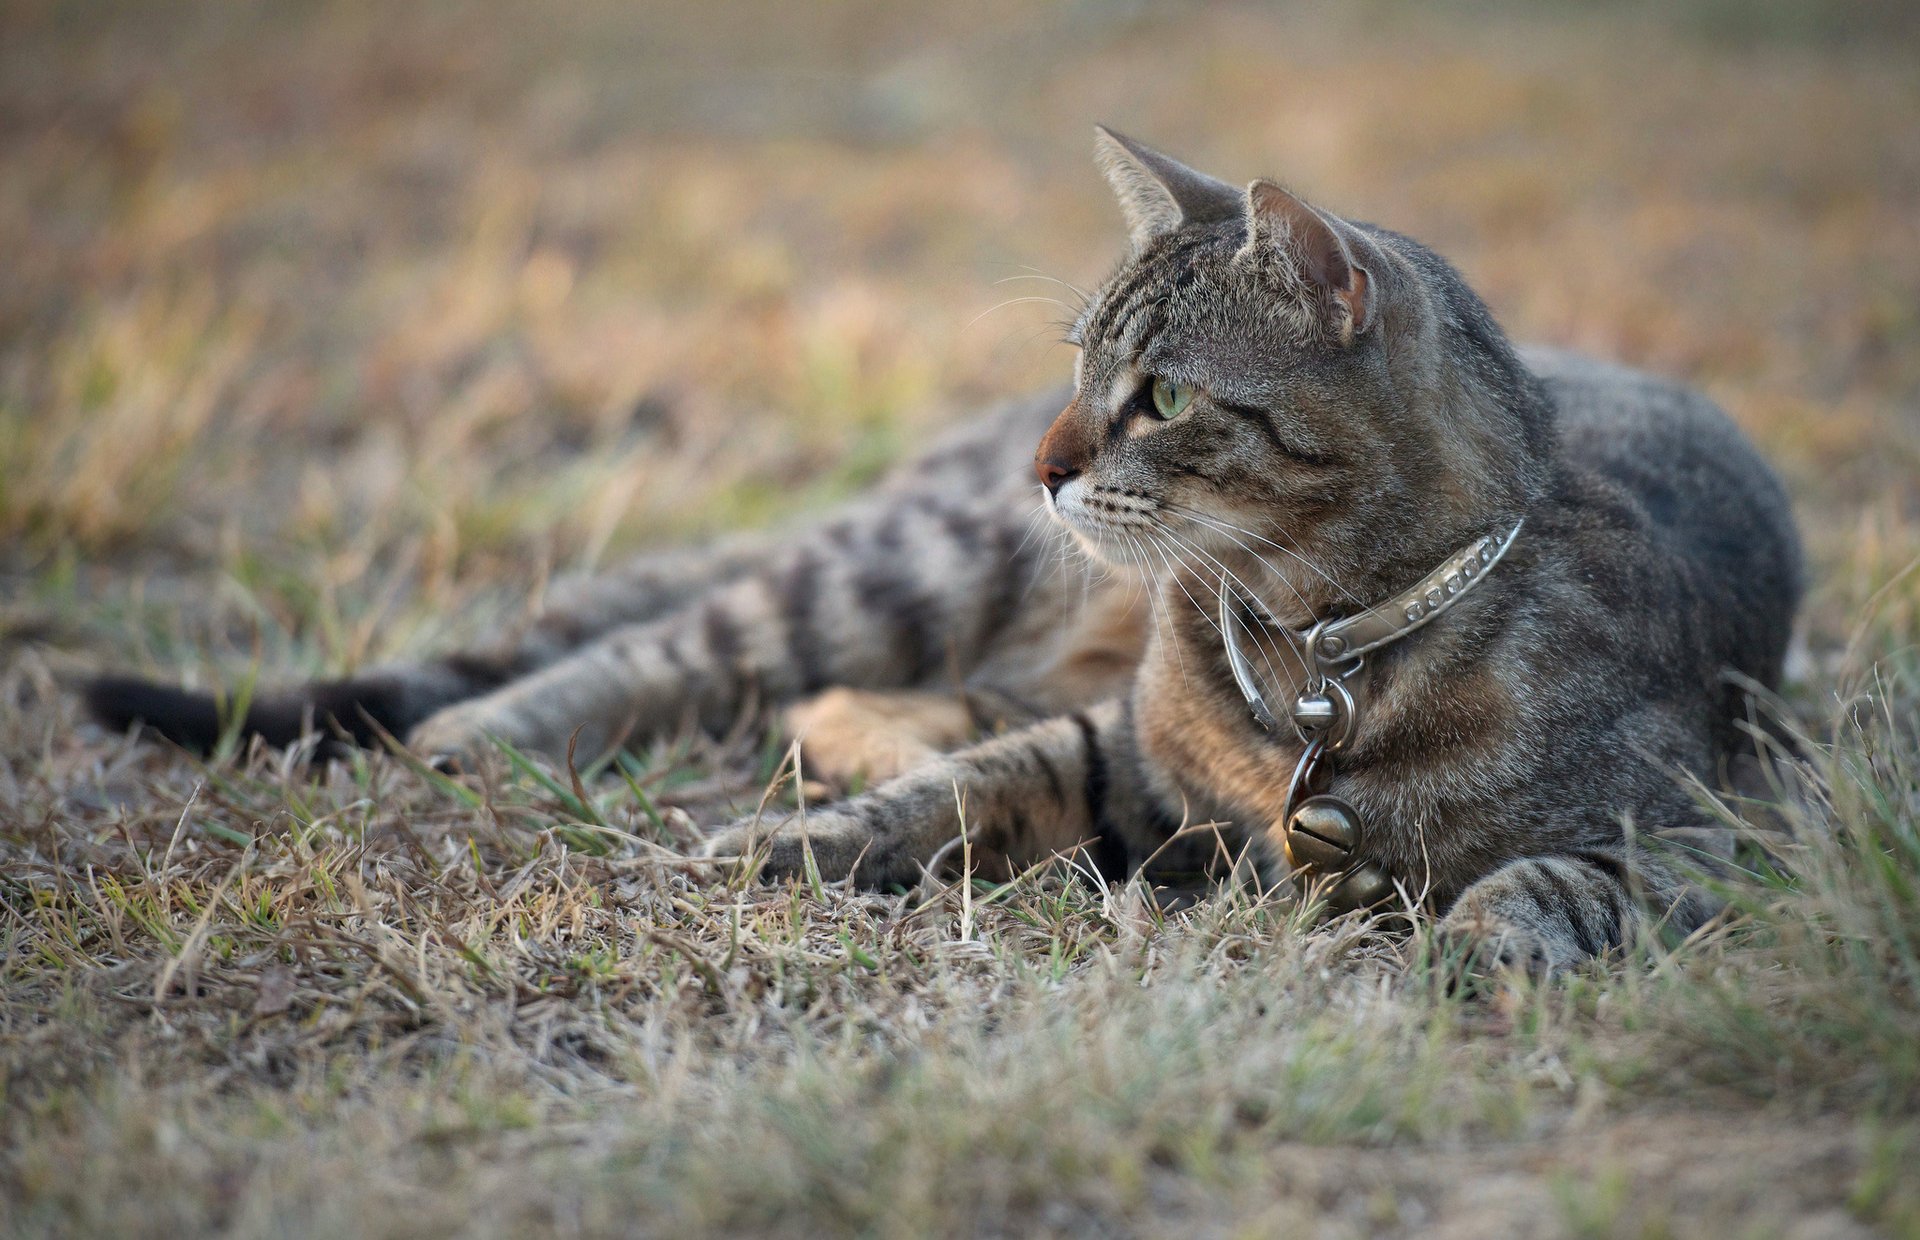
(1170, 400)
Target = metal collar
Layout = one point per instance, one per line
(1333, 649)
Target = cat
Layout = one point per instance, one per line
(1430, 621)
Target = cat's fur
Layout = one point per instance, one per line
(1521, 762)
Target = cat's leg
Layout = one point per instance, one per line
(584, 608)
(1064, 784)
(868, 736)
(891, 596)
(1544, 914)
(974, 458)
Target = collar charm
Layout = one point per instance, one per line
(1325, 835)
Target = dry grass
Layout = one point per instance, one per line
(328, 329)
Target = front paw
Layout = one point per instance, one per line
(766, 847)
(1482, 949)
(855, 736)
(832, 845)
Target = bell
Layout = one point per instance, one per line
(1322, 833)
(1361, 887)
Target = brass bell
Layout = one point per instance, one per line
(1322, 834)
(1361, 887)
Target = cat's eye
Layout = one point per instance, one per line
(1170, 400)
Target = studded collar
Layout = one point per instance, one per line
(1325, 837)
(1334, 649)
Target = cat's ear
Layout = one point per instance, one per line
(1158, 194)
(1330, 255)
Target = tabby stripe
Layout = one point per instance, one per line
(1571, 903)
(1262, 419)
(1005, 585)
(799, 587)
(1019, 831)
(961, 526)
(1528, 881)
(1052, 772)
(887, 594)
(1114, 302)
(1109, 850)
(1614, 888)
(901, 611)
(1193, 472)
(567, 628)
(964, 529)
(1143, 308)
(481, 671)
(1180, 256)
(722, 633)
(1162, 823)
(973, 459)
(1608, 864)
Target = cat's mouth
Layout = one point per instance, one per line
(1124, 528)
(1160, 538)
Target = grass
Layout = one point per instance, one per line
(331, 331)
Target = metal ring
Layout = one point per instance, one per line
(1348, 712)
(1316, 672)
(1243, 676)
(1340, 729)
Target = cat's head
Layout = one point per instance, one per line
(1316, 405)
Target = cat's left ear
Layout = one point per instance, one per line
(1330, 256)
(1158, 194)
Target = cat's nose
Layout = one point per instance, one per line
(1053, 475)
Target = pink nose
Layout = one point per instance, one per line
(1054, 475)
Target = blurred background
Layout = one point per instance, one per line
(327, 328)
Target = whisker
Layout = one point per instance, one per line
(1228, 574)
(1175, 557)
(1179, 653)
(1219, 594)
(1312, 617)
(1298, 656)
(1015, 301)
(1037, 274)
(1036, 520)
(1052, 560)
(1230, 529)
(1166, 611)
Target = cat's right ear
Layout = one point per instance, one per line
(1328, 255)
(1157, 193)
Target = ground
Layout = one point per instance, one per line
(329, 332)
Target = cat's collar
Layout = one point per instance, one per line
(1333, 649)
(1324, 835)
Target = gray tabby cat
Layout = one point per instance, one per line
(1538, 582)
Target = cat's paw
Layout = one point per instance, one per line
(774, 853)
(456, 737)
(837, 845)
(852, 736)
(1480, 953)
